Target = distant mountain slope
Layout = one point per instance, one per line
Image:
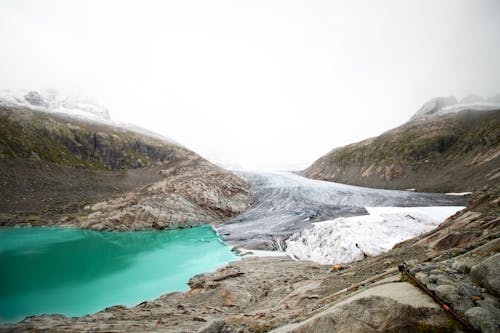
(457, 150)
(62, 139)
(54, 164)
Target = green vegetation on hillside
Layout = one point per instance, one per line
(27, 134)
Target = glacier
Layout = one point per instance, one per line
(286, 203)
(348, 239)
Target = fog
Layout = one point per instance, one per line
(255, 84)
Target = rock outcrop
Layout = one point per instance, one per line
(487, 274)
(456, 151)
(392, 307)
(192, 192)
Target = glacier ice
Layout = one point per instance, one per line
(347, 239)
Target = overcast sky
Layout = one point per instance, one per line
(255, 84)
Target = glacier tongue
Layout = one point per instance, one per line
(347, 239)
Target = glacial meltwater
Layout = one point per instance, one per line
(76, 272)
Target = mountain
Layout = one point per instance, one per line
(444, 105)
(55, 162)
(446, 146)
(53, 101)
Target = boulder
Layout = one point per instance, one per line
(487, 274)
(481, 319)
(213, 326)
(392, 307)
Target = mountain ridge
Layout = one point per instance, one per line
(441, 152)
(53, 165)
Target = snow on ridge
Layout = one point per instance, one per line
(348, 239)
(459, 194)
(52, 101)
(444, 105)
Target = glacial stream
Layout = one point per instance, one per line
(77, 272)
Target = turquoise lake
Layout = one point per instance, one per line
(76, 272)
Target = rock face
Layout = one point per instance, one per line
(442, 153)
(487, 274)
(395, 307)
(142, 181)
(192, 192)
(34, 98)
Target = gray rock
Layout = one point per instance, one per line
(443, 280)
(433, 278)
(432, 286)
(34, 98)
(450, 294)
(213, 326)
(481, 319)
(487, 274)
(437, 271)
(468, 290)
(195, 192)
(447, 293)
(402, 309)
(422, 277)
(461, 267)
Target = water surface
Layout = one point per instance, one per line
(75, 272)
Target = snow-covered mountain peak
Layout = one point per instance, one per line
(443, 105)
(53, 101)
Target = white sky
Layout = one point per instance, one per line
(255, 84)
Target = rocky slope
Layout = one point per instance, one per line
(53, 165)
(276, 293)
(445, 147)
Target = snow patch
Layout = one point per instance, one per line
(459, 194)
(347, 239)
(260, 253)
(52, 101)
(444, 105)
